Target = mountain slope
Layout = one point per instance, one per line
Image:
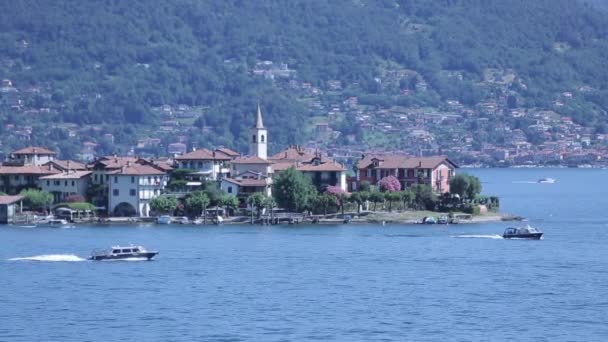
(109, 62)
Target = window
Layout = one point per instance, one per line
(95, 177)
(73, 183)
(255, 140)
(65, 183)
(132, 179)
(115, 179)
(262, 138)
(48, 183)
(126, 251)
(132, 192)
(107, 178)
(116, 251)
(229, 189)
(56, 183)
(115, 192)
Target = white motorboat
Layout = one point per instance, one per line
(547, 180)
(122, 252)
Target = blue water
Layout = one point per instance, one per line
(326, 283)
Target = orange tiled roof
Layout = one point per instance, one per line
(203, 154)
(28, 170)
(228, 152)
(63, 164)
(329, 166)
(250, 160)
(68, 175)
(10, 199)
(134, 169)
(34, 150)
(247, 182)
(394, 162)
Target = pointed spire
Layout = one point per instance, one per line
(259, 123)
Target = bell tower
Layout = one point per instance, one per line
(259, 137)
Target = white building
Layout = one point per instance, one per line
(131, 188)
(33, 156)
(206, 164)
(259, 137)
(65, 184)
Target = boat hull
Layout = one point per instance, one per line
(143, 255)
(530, 236)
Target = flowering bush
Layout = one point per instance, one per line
(390, 184)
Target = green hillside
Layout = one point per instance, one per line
(110, 62)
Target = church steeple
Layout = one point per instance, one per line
(259, 137)
(259, 122)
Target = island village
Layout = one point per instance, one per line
(119, 186)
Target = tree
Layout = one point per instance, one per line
(339, 196)
(390, 197)
(376, 197)
(365, 186)
(465, 186)
(37, 199)
(293, 190)
(163, 204)
(407, 197)
(258, 201)
(355, 197)
(197, 202)
(230, 202)
(390, 184)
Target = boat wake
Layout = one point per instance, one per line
(495, 237)
(525, 182)
(50, 257)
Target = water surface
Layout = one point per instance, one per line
(327, 283)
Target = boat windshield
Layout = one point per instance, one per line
(135, 250)
(116, 251)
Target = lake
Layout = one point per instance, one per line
(326, 283)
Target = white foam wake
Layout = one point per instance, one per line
(496, 237)
(50, 257)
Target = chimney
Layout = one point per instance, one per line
(420, 163)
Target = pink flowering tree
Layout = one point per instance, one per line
(338, 194)
(390, 184)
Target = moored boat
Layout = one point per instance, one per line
(164, 219)
(547, 180)
(122, 252)
(526, 232)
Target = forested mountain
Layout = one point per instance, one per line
(109, 63)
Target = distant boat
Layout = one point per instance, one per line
(163, 219)
(118, 253)
(547, 180)
(522, 233)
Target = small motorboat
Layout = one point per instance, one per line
(522, 233)
(163, 219)
(429, 220)
(122, 252)
(546, 180)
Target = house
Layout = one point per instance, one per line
(63, 185)
(15, 178)
(33, 156)
(103, 167)
(246, 184)
(132, 186)
(322, 170)
(434, 171)
(206, 164)
(8, 208)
